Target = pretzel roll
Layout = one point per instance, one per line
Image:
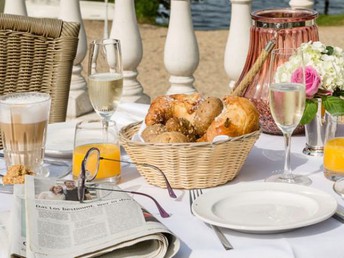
(178, 105)
(159, 111)
(185, 105)
(238, 117)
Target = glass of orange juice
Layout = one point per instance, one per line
(334, 154)
(91, 133)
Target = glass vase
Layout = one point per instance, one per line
(322, 127)
(290, 27)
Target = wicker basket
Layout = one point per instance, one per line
(189, 165)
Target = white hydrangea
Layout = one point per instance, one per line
(284, 72)
(329, 67)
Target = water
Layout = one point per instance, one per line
(216, 14)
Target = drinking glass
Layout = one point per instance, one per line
(92, 134)
(23, 121)
(334, 150)
(287, 103)
(105, 77)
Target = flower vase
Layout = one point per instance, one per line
(322, 127)
(291, 27)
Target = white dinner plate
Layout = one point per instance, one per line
(60, 140)
(264, 207)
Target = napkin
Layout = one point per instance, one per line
(4, 243)
(128, 113)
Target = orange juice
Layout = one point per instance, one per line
(107, 168)
(334, 156)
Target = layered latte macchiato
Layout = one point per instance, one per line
(23, 121)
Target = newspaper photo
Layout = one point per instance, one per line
(49, 221)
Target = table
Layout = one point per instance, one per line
(198, 240)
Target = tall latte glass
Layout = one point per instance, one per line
(23, 121)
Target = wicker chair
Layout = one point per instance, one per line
(36, 54)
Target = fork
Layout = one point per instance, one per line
(193, 194)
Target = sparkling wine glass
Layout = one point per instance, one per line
(105, 77)
(287, 103)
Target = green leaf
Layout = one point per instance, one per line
(338, 92)
(311, 109)
(329, 50)
(334, 105)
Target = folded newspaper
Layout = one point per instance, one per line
(45, 222)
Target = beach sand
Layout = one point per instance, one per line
(210, 76)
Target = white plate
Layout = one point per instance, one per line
(264, 207)
(60, 140)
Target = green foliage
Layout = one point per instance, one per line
(146, 10)
(330, 20)
(334, 105)
(311, 109)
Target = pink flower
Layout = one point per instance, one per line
(312, 80)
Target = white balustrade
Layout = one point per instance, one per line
(302, 4)
(79, 102)
(15, 7)
(125, 28)
(181, 54)
(106, 20)
(238, 39)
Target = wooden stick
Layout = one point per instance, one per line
(240, 89)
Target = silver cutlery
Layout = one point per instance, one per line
(193, 194)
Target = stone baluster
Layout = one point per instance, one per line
(181, 55)
(302, 4)
(238, 39)
(79, 102)
(106, 20)
(15, 7)
(125, 28)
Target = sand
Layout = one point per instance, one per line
(210, 76)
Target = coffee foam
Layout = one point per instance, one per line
(24, 99)
(24, 109)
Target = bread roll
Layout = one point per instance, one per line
(238, 117)
(205, 114)
(183, 126)
(184, 105)
(170, 137)
(177, 105)
(152, 131)
(159, 111)
(198, 119)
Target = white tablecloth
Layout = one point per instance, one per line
(198, 240)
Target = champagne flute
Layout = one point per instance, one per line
(287, 103)
(105, 77)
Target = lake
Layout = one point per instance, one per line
(216, 14)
